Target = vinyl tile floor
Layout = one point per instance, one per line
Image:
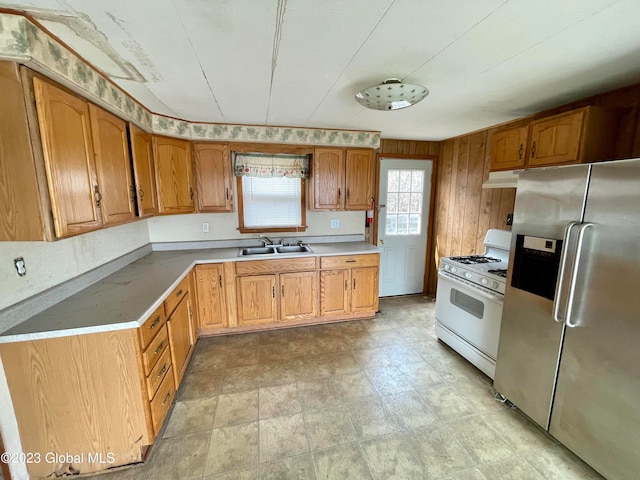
(368, 399)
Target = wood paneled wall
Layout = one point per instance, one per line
(464, 210)
(410, 148)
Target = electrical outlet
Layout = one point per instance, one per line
(509, 219)
(21, 267)
(335, 223)
(205, 227)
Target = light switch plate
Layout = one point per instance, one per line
(335, 223)
(205, 227)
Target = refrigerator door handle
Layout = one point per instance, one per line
(574, 274)
(558, 303)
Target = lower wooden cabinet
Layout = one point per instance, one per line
(349, 284)
(256, 299)
(211, 298)
(270, 291)
(180, 327)
(298, 295)
(80, 395)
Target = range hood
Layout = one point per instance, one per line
(507, 179)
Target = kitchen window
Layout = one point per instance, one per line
(271, 192)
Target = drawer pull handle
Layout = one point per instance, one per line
(166, 399)
(351, 261)
(164, 369)
(283, 290)
(179, 293)
(354, 283)
(346, 285)
(156, 322)
(533, 150)
(159, 349)
(220, 280)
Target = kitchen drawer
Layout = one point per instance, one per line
(162, 401)
(155, 349)
(259, 267)
(158, 372)
(174, 298)
(152, 326)
(349, 261)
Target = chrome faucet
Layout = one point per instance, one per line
(266, 240)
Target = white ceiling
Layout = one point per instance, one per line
(300, 62)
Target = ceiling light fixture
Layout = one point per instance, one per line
(392, 94)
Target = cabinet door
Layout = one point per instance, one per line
(256, 299)
(328, 179)
(364, 284)
(212, 309)
(298, 295)
(144, 171)
(23, 205)
(180, 337)
(213, 177)
(68, 152)
(174, 175)
(556, 140)
(113, 166)
(508, 148)
(358, 179)
(335, 292)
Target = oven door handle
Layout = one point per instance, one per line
(481, 293)
(560, 294)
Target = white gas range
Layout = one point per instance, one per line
(469, 301)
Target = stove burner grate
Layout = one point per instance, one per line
(501, 272)
(474, 259)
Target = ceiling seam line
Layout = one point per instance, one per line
(457, 38)
(277, 36)
(206, 79)
(350, 61)
(531, 47)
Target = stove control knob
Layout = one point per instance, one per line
(484, 281)
(494, 284)
(468, 275)
(454, 269)
(446, 267)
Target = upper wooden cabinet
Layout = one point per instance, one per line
(213, 177)
(358, 179)
(328, 179)
(144, 171)
(174, 175)
(113, 166)
(583, 135)
(25, 206)
(342, 178)
(65, 128)
(509, 148)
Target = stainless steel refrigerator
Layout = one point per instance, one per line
(569, 350)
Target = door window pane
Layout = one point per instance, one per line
(404, 202)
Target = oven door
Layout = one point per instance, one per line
(473, 313)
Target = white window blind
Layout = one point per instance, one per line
(271, 202)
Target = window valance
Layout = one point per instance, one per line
(270, 165)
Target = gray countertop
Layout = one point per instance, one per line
(127, 297)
